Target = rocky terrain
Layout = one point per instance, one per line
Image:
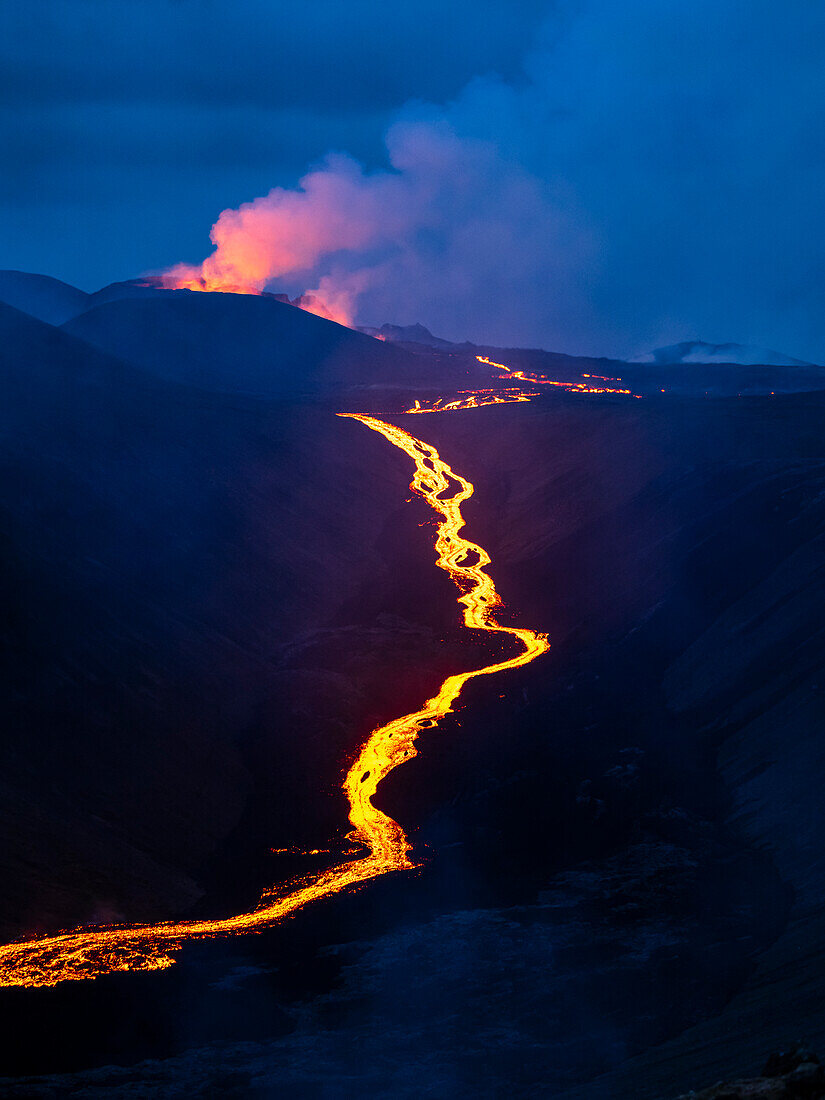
(787, 1075)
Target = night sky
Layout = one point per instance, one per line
(590, 177)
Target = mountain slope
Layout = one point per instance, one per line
(588, 894)
(42, 296)
(243, 343)
(147, 287)
(411, 334)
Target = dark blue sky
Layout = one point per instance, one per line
(128, 127)
(620, 175)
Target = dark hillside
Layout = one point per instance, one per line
(42, 296)
(241, 343)
(212, 596)
(161, 547)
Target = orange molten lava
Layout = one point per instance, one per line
(476, 399)
(571, 387)
(92, 952)
(184, 277)
(473, 399)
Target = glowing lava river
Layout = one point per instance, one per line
(91, 952)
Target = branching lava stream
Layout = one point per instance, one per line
(92, 952)
(509, 395)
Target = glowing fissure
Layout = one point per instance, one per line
(571, 387)
(91, 952)
(509, 395)
(473, 399)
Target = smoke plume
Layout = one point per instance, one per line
(638, 186)
(450, 216)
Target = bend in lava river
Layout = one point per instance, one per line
(92, 952)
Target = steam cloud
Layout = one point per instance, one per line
(336, 210)
(451, 214)
(636, 188)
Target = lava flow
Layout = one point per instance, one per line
(92, 952)
(509, 395)
(571, 387)
(473, 399)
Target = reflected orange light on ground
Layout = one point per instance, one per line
(88, 953)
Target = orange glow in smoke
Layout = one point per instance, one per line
(332, 306)
(91, 952)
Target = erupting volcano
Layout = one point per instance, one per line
(287, 234)
(250, 250)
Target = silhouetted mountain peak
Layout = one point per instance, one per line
(243, 343)
(409, 334)
(698, 351)
(42, 296)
